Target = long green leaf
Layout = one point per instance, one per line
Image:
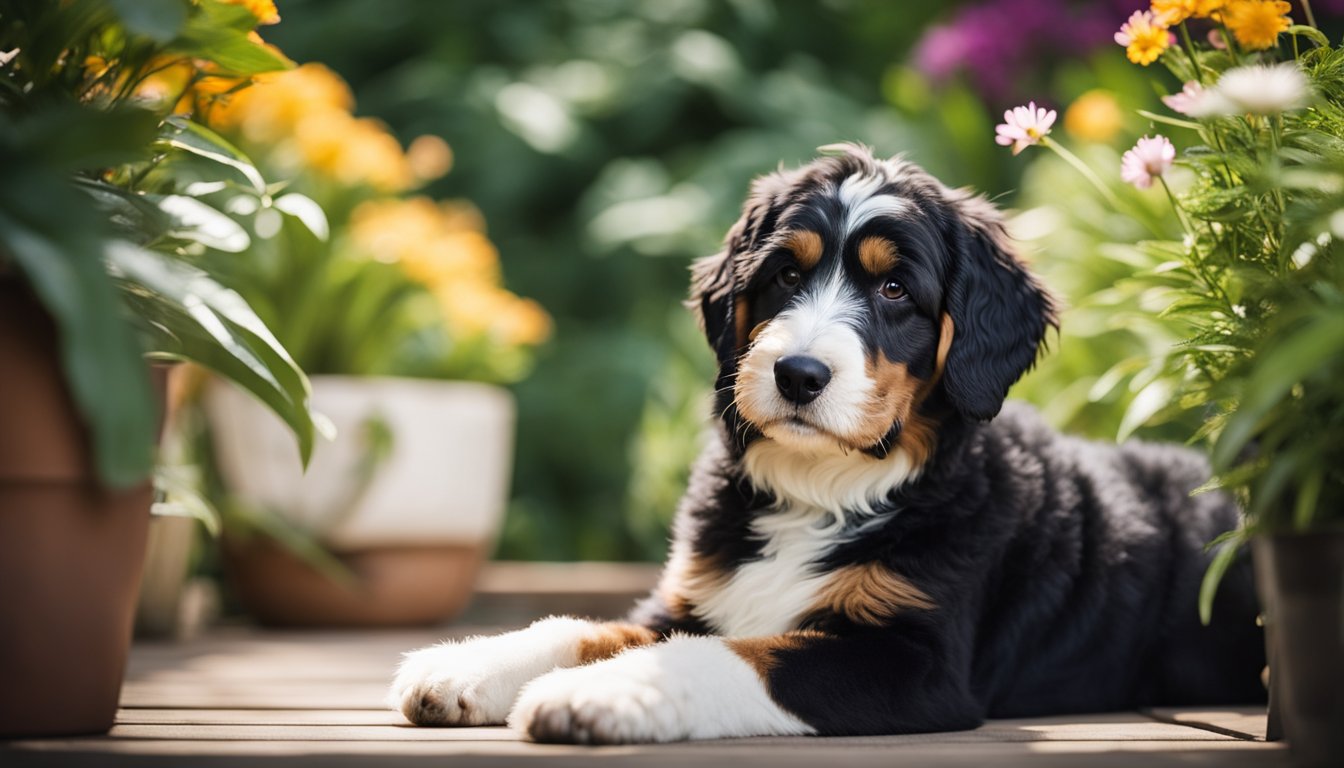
(196, 318)
(180, 133)
(1275, 374)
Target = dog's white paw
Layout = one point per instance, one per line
(684, 688)
(596, 705)
(475, 681)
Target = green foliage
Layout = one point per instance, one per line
(99, 232)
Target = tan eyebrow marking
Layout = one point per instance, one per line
(877, 255)
(806, 246)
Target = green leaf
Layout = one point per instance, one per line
(181, 133)
(1213, 576)
(1275, 374)
(195, 221)
(218, 32)
(1151, 399)
(159, 20)
(306, 211)
(1311, 33)
(179, 487)
(1173, 121)
(193, 317)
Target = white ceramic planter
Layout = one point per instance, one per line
(444, 482)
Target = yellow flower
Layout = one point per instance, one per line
(1144, 38)
(269, 110)
(443, 247)
(430, 157)
(264, 10)
(1173, 12)
(1256, 23)
(1095, 116)
(352, 151)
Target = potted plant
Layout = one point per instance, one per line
(401, 317)
(99, 225)
(1258, 283)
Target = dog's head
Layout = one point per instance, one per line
(853, 291)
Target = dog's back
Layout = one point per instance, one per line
(1091, 583)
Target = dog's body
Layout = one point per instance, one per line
(862, 550)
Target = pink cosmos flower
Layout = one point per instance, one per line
(1024, 126)
(1149, 159)
(1185, 100)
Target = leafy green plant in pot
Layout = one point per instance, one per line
(1258, 190)
(100, 224)
(401, 317)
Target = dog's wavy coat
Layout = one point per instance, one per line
(862, 550)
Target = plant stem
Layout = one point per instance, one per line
(1081, 167)
(1311, 18)
(1196, 258)
(1190, 51)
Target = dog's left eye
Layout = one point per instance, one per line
(892, 290)
(789, 277)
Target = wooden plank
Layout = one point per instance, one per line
(748, 753)
(389, 726)
(1240, 722)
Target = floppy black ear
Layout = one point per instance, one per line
(711, 301)
(999, 311)
(717, 281)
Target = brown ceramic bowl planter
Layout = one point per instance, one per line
(412, 533)
(70, 552)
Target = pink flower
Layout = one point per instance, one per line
(1024, 126)
(1149, 159)
(1185, 100)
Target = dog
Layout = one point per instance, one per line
(869, 545)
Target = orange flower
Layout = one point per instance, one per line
(1095, 116)
(264, 10)
(1256, 24)
(1173, 12)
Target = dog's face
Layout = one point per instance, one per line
(851, 292)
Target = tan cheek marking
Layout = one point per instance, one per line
(870, 593)
(806, 246)
(761, 652)
(877, 255)
(607, 640)
(893, 398)
(944, 345)
(741, 316)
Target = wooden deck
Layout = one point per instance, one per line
(316, 699)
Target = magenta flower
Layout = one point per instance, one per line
(1184, 101)
(1148, 160)
(1024, 126)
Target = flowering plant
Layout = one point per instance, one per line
(103, 214)
(1258, 191)
(390, 284)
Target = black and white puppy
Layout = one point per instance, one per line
(863, 550)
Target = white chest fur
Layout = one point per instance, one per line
(773, 593)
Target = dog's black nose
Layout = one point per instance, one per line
(801, 378)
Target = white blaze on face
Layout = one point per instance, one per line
(861, 203)
(821, 323)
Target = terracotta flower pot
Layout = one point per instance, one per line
(70, 552)
(1301, 582)
(412, 520)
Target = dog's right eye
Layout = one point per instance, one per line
(789, 277)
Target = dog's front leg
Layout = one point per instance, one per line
(475, 681)
(710, 687)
